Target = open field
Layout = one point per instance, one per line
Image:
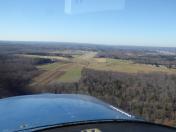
(51, 73)
(126, 66)
(52, 66)
(64, 71)
(70, 71)
(73, 74)
(59, 72)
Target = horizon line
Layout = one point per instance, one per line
(86, 43)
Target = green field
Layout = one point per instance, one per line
(51, 66)
(73, 74)
(126, 66)
(70, 71)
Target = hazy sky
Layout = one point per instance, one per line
(135, 22)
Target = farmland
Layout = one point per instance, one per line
(69, 69)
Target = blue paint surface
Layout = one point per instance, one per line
(23, 112)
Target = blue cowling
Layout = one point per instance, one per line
(27, 112)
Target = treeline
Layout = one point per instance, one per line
(143, 57)
(40, 61)
(50, 54)
(15, 74)
(151, 96)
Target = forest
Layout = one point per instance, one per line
(15, 73)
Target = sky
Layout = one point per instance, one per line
(111, 22)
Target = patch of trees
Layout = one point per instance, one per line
(15, 74)
(41, 61)
(51, 54)
(151, 95)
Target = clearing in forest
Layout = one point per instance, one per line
(70, 70)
